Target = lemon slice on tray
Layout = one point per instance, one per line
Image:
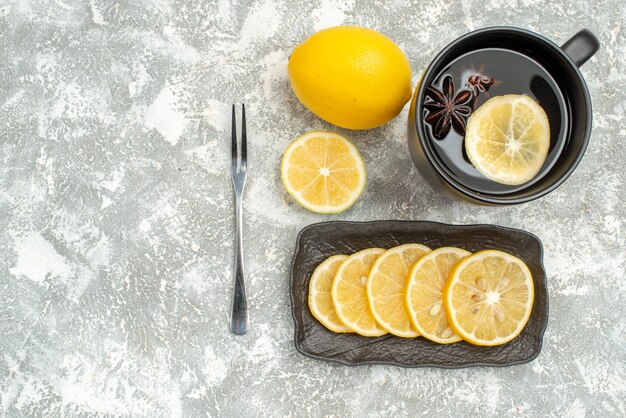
(320, 299)
(424, 293)
(386, 288)
(349, 293)
(488, 297)
(323, 172)
(507, 138)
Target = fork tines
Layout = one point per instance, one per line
(239, 164)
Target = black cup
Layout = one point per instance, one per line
(561, 62)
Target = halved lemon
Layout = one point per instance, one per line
(488, 297)
(507, 138)
(386, 288)
(424, 293)
(320, 300)
(350, 295)
(323, 172)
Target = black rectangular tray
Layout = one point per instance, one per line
(319, 241)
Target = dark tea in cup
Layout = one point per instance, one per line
(480, 75)
(501, 62)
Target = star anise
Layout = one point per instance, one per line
(446, 110)
(478, 82)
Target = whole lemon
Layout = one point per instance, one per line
(353, 77)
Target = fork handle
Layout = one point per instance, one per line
(239, 320)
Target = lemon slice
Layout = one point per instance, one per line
(488, 297)
(320, 300)
(424, 294)
(323, 172)
(350, 296)
(507, 138)
(386, 288)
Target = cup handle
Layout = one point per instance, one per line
(581, 46)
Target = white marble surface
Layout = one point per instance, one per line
(116, 218)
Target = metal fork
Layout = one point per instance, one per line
(239, 320)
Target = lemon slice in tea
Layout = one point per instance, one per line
(507, 138)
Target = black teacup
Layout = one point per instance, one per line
(529, 64)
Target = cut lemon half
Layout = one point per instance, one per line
(507, 138)
(350, 296)
(323, 172)
(320, 300)
(386, 288)
(488, 297)
(424, 294)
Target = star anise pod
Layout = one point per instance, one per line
(446, 110)
(478, 82)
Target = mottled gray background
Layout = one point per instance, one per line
(116, 221)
